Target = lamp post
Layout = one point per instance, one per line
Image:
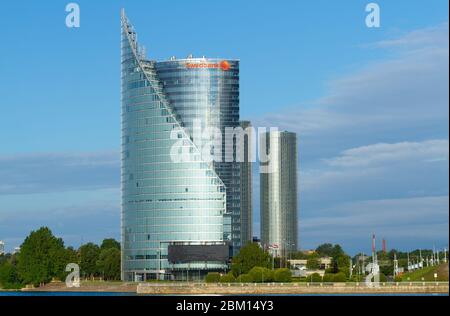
(159, 263)
(273, 261)
(351, 267)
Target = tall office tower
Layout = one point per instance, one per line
(2, 247)
(180, 213)
(246, 185)
(205, 95)
(279, 229)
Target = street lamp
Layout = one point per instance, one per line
(159, 263)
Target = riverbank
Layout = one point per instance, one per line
(89, 286)
(291, 288)
(179, 288)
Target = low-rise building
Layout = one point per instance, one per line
(308, 251)
(300, 264)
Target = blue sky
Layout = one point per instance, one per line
(370, 107)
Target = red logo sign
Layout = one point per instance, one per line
(224, 65)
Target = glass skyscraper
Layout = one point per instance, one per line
(207, 91)
(279, 226)
(167, 204)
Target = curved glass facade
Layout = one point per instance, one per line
(162, 202)
(207, 91)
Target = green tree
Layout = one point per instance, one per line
(109, 243)
(387, 269)
(313, 263)
(4, 258)
(109, 263)
(337, 251)
(283, 275)
(325, 250)
(227, 278)
(71, 255)
(244, 278)
(248, 257)
(340, 261)
(9, 277)
(41, 257)
(269, 275)
(277, 262)
(340, 277)
(343, 264)
(260, 274)
(356, 278)
(315, 277)
(212, 277)
(383, 277)
(89, 255)
(67, 255)
(328, 277)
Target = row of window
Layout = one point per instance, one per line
(153, 232)
(158, 174)
(208, 82)
(201, 210)
(150, 219)
(178, 236)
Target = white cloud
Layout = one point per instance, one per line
(50, 172)
(405, 92)
(422, 220)
(431, 36)
(401, 169)
(76, 216)
(380, 154)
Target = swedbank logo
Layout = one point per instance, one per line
(223, 65)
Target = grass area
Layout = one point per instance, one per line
(427, 274)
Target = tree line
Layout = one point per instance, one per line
(44, 257)
(254, 264)
(251, 264)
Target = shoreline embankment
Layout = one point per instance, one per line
(292, 288)
(179, 288)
